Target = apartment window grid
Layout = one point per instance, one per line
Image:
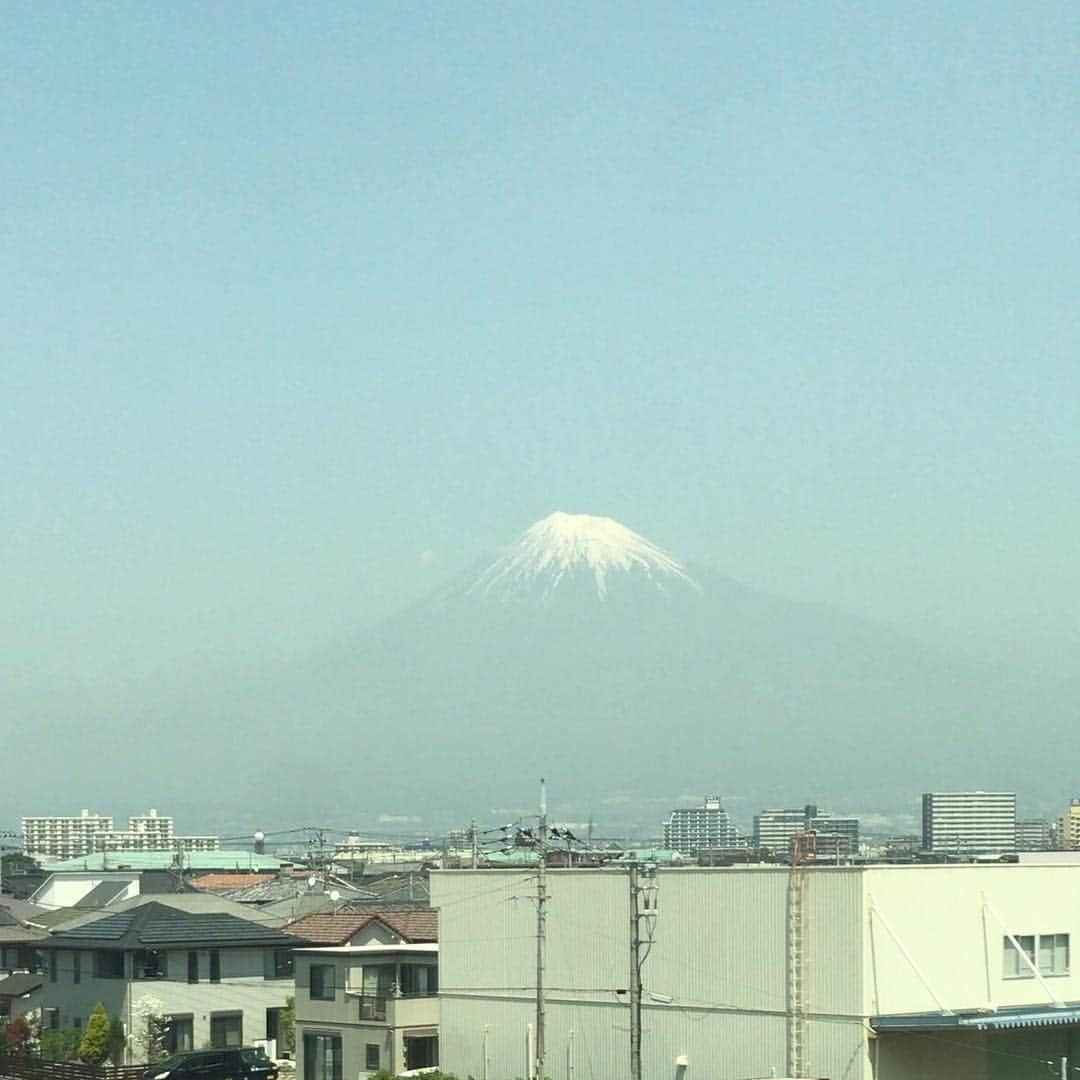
(969, 822)
(1048, 952)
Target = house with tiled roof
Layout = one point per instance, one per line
(367, 993)
(218, 978)
(389, 925)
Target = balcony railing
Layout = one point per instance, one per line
(372, 1008)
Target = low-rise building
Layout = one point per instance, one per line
(369, 1000)
(219, 979)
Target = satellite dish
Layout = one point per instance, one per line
(311, 881)
(335, 895)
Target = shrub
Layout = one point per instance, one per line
(94, 1048)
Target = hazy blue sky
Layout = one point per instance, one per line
(306, 305)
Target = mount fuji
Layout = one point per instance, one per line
(587, 654)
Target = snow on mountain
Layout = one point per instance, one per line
(562, 547)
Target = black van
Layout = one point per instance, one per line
(233, 1063)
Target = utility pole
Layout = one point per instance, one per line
(635, 977)
(541, 928)
(475, 846)
(640, 946)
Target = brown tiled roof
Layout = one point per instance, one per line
(229, 881)
(335, 928)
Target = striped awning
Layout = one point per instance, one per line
(1029, 1016)
(1030, 1019)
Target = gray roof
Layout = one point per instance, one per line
(160, 926)
(16, 985)
(101, 894)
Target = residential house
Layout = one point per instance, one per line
(220, 979)
(19, 964)
(367, 998)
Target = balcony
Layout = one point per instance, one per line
(371, 1007)
(405, 1011)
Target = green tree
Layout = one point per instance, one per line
(60, 1044)
(117, 1041)
(287, 1026)
(94, 1048)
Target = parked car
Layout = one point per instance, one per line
(234, 1063)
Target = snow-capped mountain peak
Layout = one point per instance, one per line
(564, 546)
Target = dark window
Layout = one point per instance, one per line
(419, 980)
(76, 1023)
(421, 1052)
(321, 983)
(226, 1029)
(371, 1056)
(150, 964)
(50, 1019)
(108, 964)
(279, 964)
(76, 966)
(273, 1023)
(192, 967)
(215, 965)
(180, 1036)
(322, 1057)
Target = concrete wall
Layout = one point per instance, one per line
(940, 915)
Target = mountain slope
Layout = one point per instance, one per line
(616, 671)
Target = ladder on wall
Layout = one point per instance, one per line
(802, 845)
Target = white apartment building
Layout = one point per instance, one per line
(928, 971)
(1069, 827)
(774, 830)
(56, 838)
(969, 822)
(690, 829)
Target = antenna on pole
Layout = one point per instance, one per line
(541, 929)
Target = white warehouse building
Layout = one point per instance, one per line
(851, 973)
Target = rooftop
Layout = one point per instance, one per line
(221, 860)
(158, 925)
(412, 925)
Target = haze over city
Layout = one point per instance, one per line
(313, 312)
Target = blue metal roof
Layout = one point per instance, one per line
(1026, 1016)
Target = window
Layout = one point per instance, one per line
(421, 1051)
(371, 1056)
(108, 964)
(322, 1057)
(150, 964)
(279, 964)
(181, 1034)
(192, 967)
(419, 980)
(215, 965)
(321, 982)
(273, 1023)
(76, 966)
(1049, 951)
(1054, 954)
(50, 1019)
(52, 966)
(226, 1029)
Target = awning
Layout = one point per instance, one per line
(983, 1020)
(420, 1033)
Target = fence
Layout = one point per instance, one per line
(29, 1067)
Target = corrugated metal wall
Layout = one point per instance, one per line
(715, 981)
